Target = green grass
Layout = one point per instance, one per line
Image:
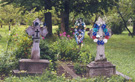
(120, 49)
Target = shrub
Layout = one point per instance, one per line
(23, 49)
(79, 69)
(65, 47)
(117, 27)
(46, 52)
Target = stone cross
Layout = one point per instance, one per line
(100, 38)
(36, 31)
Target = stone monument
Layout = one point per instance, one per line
(35, 65)
(100, 67)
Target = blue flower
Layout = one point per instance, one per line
(102, 42)
(98, 42)
(96, 26)
(82, 24)
(107, 33)
(44, 24)
(94, 33)
(103, 26)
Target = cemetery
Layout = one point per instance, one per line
(67, 41)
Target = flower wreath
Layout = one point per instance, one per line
(95, 36)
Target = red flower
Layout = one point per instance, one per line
(93, 37)
(107, 37)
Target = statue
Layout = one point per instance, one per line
(36, 31)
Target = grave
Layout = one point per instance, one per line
(100, 67)
(35, 65)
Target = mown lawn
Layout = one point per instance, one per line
(120, 49)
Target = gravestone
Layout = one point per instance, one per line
(35, 65)
(100, 67)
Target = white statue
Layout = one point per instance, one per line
(36, 31)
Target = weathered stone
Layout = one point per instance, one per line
(33, 65)
(101, 68)
(36, 31)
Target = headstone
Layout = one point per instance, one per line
(100, 67)
(36, 31)
(35, 65)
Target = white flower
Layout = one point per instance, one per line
(95, 40)
(105, 40)
(97, 36)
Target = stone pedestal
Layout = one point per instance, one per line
(31, 67)
(101, 68)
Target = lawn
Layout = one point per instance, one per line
(119, 50)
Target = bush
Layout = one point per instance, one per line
(23, 49)
(66, 48)
(46, 52)
(117, 27)
(79, 69)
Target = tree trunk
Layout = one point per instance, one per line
(9, 27)
(48, 21)
(1, 26)
(66, 6)
(133, 27)
(62, 22)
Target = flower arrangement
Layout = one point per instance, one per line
(95, 36)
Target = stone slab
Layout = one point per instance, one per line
(72, 74)
(101, 68)
(126, 77)
(33, 66)
(22, 73)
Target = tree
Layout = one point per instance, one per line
(9, 15)
(38, 4)
(87, 7)
(126, 11)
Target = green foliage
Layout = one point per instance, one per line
(79, 69)
(10, 15)
(117, 27)
(115, 23)
(66, 48)
(23, 49)
(46, 52)
(50, 76)
(7, 58)
(85, 55)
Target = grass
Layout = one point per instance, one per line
(119, 50)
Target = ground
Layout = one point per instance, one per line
(119, 50)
